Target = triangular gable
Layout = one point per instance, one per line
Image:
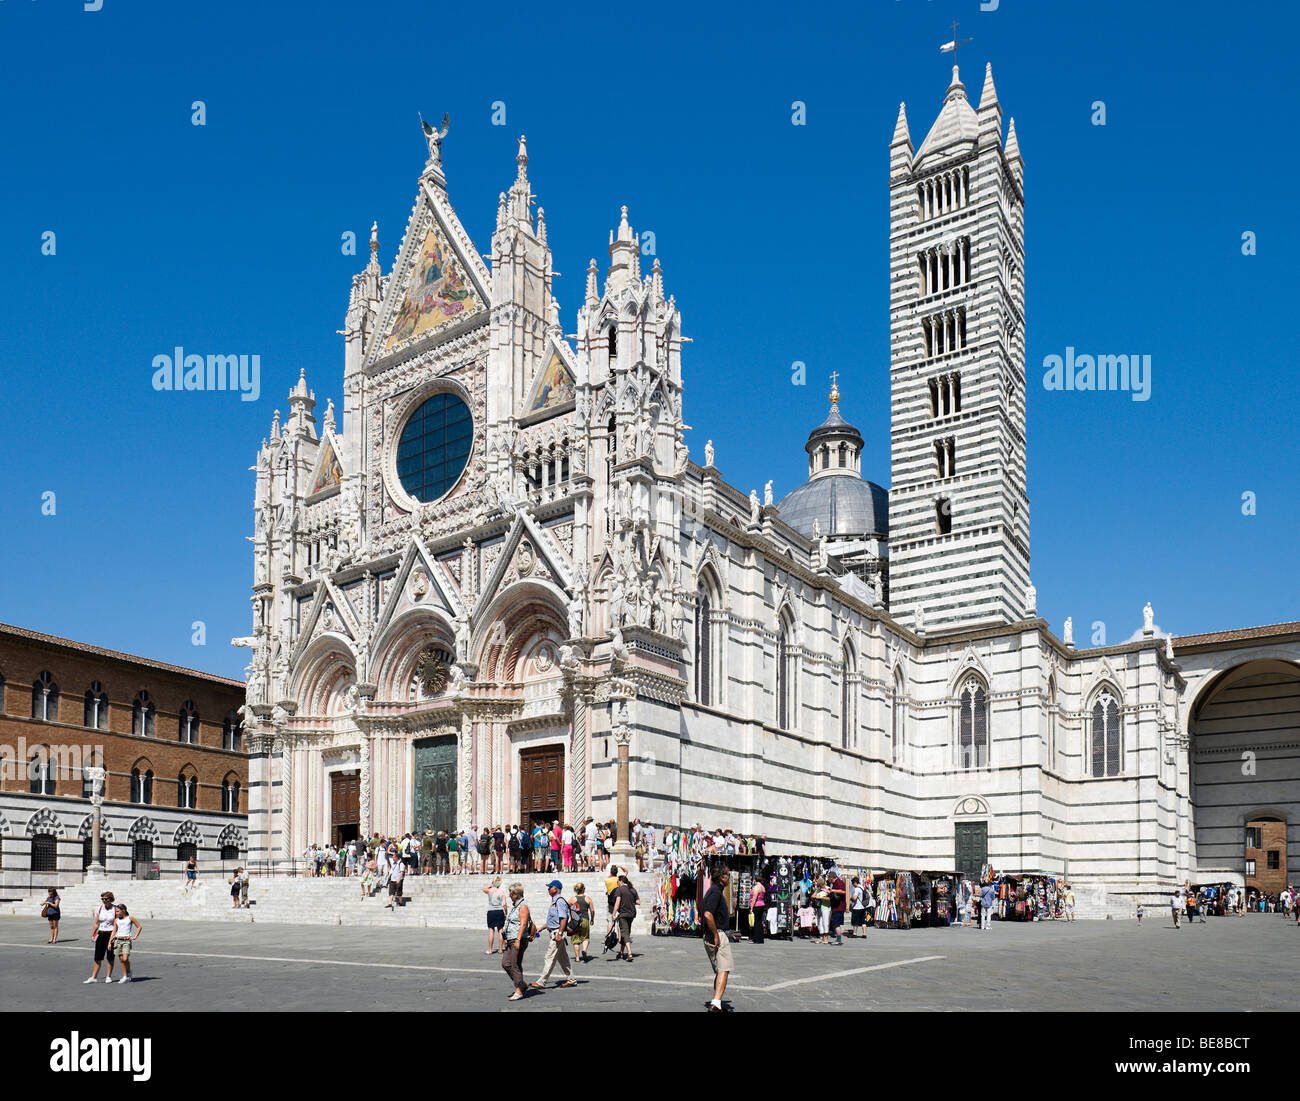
(329, 471)
(554, 387)
(970, 662)
(439, 279)
(401, 596)
(342, 620)
(548, 554)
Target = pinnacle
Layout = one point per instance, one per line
(901, 134)
(989, 96)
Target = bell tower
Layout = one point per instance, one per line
(958, 507)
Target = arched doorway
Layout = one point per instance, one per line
(1244, 781)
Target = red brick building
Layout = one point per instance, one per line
(169, 738)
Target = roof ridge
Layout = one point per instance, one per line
(120, 655)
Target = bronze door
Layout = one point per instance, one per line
(541, 784)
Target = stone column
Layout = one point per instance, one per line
(96, 871)
(578, 756)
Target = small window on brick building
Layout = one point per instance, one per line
(1273, 859)
(1254, 837)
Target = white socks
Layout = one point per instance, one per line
(715, 1002)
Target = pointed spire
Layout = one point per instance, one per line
(275, 426)
(989, 96)
(521, 194)
(521, 159)
(657, 281)
(541, 225)
(593, 295)
(624, 257)
(502, 211)
(1013, 146)
(374, 243)
(901, 134)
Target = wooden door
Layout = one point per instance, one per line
(345, 807)
(541, 784)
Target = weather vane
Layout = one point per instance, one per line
(956, 43)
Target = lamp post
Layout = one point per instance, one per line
(96, 775)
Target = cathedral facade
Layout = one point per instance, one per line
(500, 568)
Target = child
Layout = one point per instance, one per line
(1139, 913)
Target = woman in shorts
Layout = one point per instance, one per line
(496, 916)
(51, 912)
(125, 930)
(581, 937)
(234, 889)
(101, 933)
(191, 874)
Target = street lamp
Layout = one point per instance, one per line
(96, 775)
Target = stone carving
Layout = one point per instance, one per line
(1148, 619)
(753, 506)
(1031, 601)
(433, 139)
(1068, 638)
(767, 495)
(708, 452)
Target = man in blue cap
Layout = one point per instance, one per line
(557, 922)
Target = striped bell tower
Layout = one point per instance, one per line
(958, 507)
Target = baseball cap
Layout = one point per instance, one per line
(556, 884)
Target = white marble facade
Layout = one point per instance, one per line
(834, 685)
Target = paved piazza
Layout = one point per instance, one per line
(1227, 964)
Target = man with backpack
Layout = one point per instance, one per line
(557, 922)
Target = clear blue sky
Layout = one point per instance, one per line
(774, 239)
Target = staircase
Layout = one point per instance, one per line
(432, 902)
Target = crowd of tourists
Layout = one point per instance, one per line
(570, 922)
(495, 850)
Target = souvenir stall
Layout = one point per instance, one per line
(897, 903)
(687, 873)
(1030, 897)
(940, 897)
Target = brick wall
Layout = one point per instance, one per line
(1272, 839)
(73, 668)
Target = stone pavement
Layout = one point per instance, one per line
(1228, 964)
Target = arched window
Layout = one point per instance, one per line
(142, 786)
(973, 725)
(232, 732)
(187, 791)
(897, 733)
(705, 645)
(187, 850)
(230, 795)
(96, 712)
(229, 852)
(786, 697)
(45, 698)
(188, 726)
(41, 776)
(848, 689)
(1051, 722)
(142, 716)
(1107, 753)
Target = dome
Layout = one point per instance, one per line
(841, 504)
